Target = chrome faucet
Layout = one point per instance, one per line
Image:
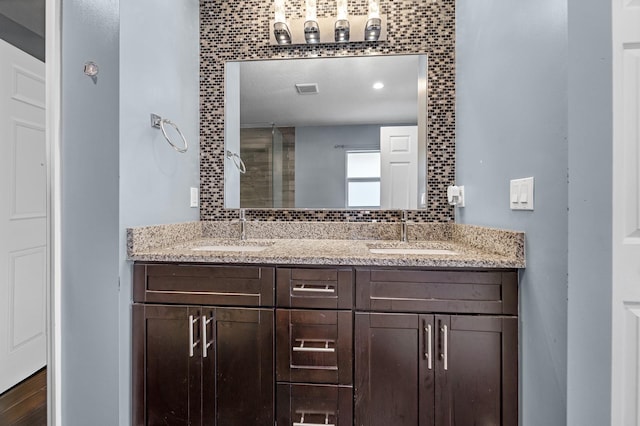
(403, 230)
(243, 235)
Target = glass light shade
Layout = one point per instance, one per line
(342, 10)
(374, 9)
(279, 10)
(311, 10)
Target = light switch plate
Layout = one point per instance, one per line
(521, 194)
(194, 197)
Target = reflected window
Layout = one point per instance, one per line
(363, 179)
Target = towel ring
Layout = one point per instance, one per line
(237, 161)
(159, 122)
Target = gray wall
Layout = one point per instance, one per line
(158, 73)
(512, 123)
(590, 163)
(320, 166)
(89, 214)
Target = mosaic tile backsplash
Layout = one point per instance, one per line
(239, 30)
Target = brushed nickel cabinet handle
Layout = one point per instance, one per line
(303, 423)
(445, 356)
(205, 342)
(324, 345)
(303, 288)
(192, 344)
(429, 343)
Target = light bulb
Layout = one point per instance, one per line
(279, 11)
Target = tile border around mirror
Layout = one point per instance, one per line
(239, 31)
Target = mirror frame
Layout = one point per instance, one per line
(421, 123)
(226, 36)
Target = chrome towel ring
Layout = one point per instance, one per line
(159, 122)
(237, 161)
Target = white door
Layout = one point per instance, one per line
(625, 391)
(23, 216)
(399, 167)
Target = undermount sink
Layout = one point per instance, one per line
(233, 248)
(408, 250)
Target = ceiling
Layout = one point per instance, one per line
(28, 13)
(346, 96)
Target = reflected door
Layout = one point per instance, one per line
(399, 167)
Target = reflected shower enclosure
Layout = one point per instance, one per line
(269, 156)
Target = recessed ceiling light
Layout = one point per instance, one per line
(379, 85)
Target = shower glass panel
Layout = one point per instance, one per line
(268, 153)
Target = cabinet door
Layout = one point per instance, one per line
(477, 370)
(394, 376)
(166, 365)
(238, 379)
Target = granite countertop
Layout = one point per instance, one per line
(317, 243)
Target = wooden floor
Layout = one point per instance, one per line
(26, 403)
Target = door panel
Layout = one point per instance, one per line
(626, 212)
(238, 385)
(23, 216)
(166, 386)
(393, 382)
(475, 357)
(27, 280)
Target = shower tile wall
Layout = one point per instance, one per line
(239, 30)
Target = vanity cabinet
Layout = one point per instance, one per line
(314, 346)
(367, 346)
(202, 364)
(415, 364)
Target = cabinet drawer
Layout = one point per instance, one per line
(328, 288)
(480, 292)
(314, 405)
(203, 284)
(314, 346)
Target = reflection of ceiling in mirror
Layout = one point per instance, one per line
(346, 95)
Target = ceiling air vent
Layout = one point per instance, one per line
(307, 88)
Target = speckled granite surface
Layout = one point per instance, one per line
(339, 243)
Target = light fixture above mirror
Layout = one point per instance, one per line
(342, 28)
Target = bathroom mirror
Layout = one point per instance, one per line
(335, 133)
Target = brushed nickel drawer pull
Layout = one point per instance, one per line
(192, 344)
(323, 348)
(205, 343)
(304, 288)
(303, 423)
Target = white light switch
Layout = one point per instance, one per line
(521, 194)
(194, 197)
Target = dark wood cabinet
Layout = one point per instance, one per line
(202, 365)
(394, 381)
(476, 370)
(433, 369)
(167, 378)
(252, 345)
